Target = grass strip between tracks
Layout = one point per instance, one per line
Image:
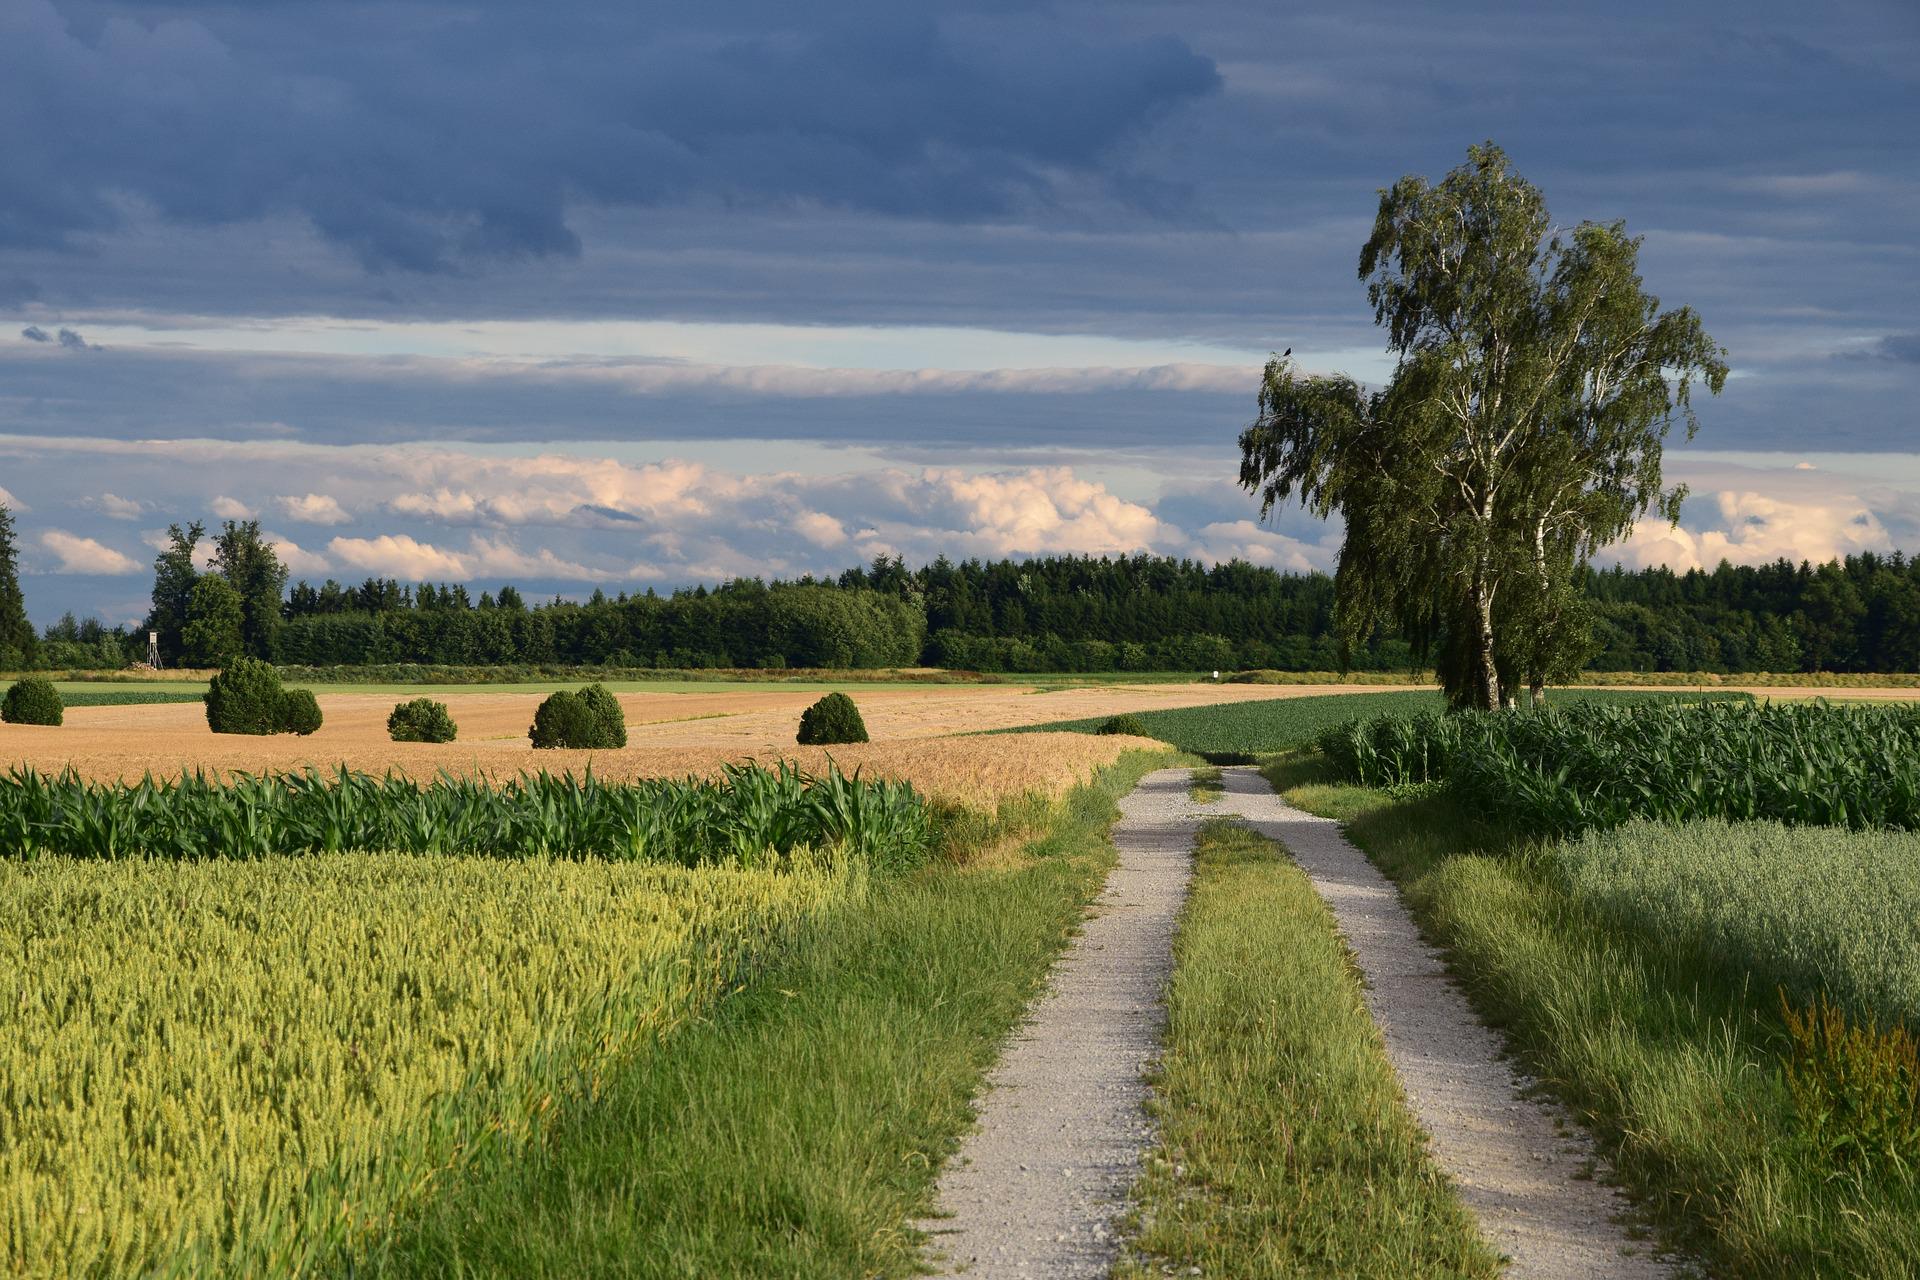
(1286, 1148)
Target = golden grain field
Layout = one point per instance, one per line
(226, 1068)
(669, 734)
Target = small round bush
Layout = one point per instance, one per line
(831, 720)
(565, 720)
(1125, 724)
(299, 712)
(611, 722)
(32, 701)
(246, 698)
(422, 720)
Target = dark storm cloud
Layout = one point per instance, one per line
(425, 137)
(1903, 347)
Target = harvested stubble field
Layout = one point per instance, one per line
(670, 735)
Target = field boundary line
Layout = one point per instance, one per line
(1528, 1173)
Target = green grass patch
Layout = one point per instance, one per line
(1285, 1146)
(1811, 911)
(798, 1129)
(1237, 732)
(1676, 1065)
(81, 694)
(1208, 786)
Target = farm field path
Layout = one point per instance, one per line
(1037, 1189)
(1527, 1172)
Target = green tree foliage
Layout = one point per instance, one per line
(32, 700)
(611, 722)
(173, 577)
(71, 644)
(1116, 613)
(421, 720)
(579, 721)
(246, 697)
(252, 567)
(299, 712)
(1521, 431)
(832, 720)
(19, 646)
(1126, 724)
(214, 633)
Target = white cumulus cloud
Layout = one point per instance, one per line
(313, 508)
(1759, 529)
(231, 508)
(86, 555)
(116, 507)
(298, 560)
(10, 502)
(400, 555)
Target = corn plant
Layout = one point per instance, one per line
(749, 816)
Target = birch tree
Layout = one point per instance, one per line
(1534, 386)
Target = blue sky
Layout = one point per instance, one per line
(640, 295)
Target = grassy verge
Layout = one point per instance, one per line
(796, 1130)
(1286, 1147)
(1207, 784)
(1676, 1068)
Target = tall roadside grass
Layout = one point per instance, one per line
(797, 1128)
(1679, 1067)
(1285, 1146)
(244, 1067)
(748, 816)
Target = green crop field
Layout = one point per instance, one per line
(1239, 731)
(239, 1067)
(1600, 763)
(79, 694)
(1812, 912)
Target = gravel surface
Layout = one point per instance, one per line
(1037, 1188)
(1529, 1174)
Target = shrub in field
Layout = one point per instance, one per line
(299, 712)
(1128, 724)
(32, 701)
(421, 720)
(610, 721)
(563, 720)
(246, 697)
(589, 720)
(833, 719)
(1855, 1087)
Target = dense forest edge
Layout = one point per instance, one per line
(1051, 614)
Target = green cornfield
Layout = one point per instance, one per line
(750, 816)
(245, 1067)
(1594, 765)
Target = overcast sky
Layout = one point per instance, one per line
(641, 295)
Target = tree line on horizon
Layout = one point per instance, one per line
(1052, 613)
